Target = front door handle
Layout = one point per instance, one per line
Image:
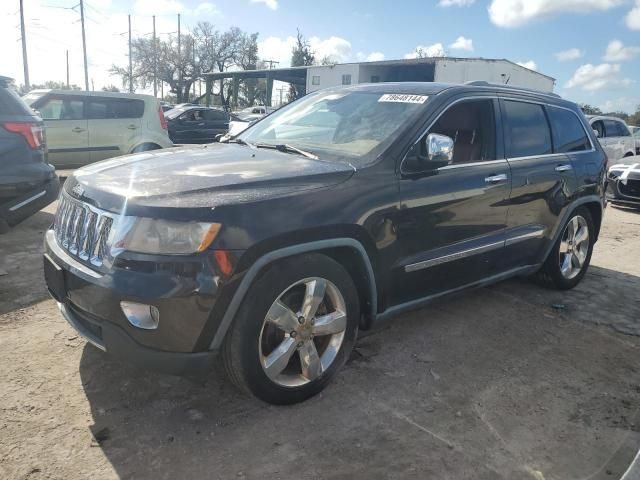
(78, 130)
(563, 168)
(496, 178)
(131, 127)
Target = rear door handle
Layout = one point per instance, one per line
(78, 130)
(563, 168)
(131, 127)
(496, 178)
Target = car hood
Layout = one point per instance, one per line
(202, 176)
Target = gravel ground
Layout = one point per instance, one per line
(511, 381)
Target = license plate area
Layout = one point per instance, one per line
(55, 279)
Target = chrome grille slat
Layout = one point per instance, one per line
(82, 230)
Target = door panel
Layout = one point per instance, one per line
(450, 229)
(543, 179)
(66, 130)
(114, 125)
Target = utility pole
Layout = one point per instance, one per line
(179, 64)
(155, 60)
(271, 63)
(67, 69)
(25, 63)
(193, 47)
(130, 61)
(84, 48)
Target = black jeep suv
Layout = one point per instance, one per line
(344, 208)
(27, 182)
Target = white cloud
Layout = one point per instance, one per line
(158, 7)
(513, 13)
(590, 77)
(462, 43)
(531, 65)
(375, 57)
(570, 54)
(276, 48)
(455, 3)
(272, 4)
(435, 50)
(617, 52)
(633, 17)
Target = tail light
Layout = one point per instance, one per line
(32, 132)
(163, 121)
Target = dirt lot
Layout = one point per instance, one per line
(511, 381)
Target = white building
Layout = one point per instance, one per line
(434, 69)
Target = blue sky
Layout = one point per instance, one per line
(596, 71)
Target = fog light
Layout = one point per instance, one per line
(141, 315)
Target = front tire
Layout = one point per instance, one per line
(295, 329)
(570, 256)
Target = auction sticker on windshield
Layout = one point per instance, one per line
(402, 98)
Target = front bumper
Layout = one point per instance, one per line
(114, 340)
(623, 194)
(185, 290)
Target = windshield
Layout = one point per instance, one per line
(174, 112)
(336, 124)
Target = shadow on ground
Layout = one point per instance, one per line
(20, 250)
(502, 382)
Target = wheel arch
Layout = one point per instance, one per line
(138, 145)
(349, 252)
(595, 206)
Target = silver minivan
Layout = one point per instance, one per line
(86, 127)
(614, 136)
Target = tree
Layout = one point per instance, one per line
(110, 88)
(590, 109)
(301, 56)
(49, 85)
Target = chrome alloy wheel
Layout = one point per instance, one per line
(302, 332)
(574, 247)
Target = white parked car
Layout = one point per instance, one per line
(614, 136)
(85, 127)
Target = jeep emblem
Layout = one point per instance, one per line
(78, 191)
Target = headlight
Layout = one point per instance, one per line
(168, 237)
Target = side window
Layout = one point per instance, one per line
(568, 133)
(61, 109)
(216, 116)
(611, 128)
(472, 126)
(526, 130)
(598, 126)
(112, 108)
(623, 131)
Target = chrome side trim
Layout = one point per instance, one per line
(473, 164)
(526, 236)
(414, 267)
(28, 200)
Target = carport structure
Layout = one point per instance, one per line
(296, 76)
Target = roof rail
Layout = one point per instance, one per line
(483, 83)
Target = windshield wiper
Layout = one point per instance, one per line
(286, 148)
(240, 141)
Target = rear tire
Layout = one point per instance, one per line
(294, 330)
(570, 256)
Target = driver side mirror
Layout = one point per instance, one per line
(435, 152)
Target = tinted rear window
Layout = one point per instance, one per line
(108, 108)
(568, 133)
(12, 104)
(215, 115)
(526, 130)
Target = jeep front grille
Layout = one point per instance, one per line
(82, 231)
